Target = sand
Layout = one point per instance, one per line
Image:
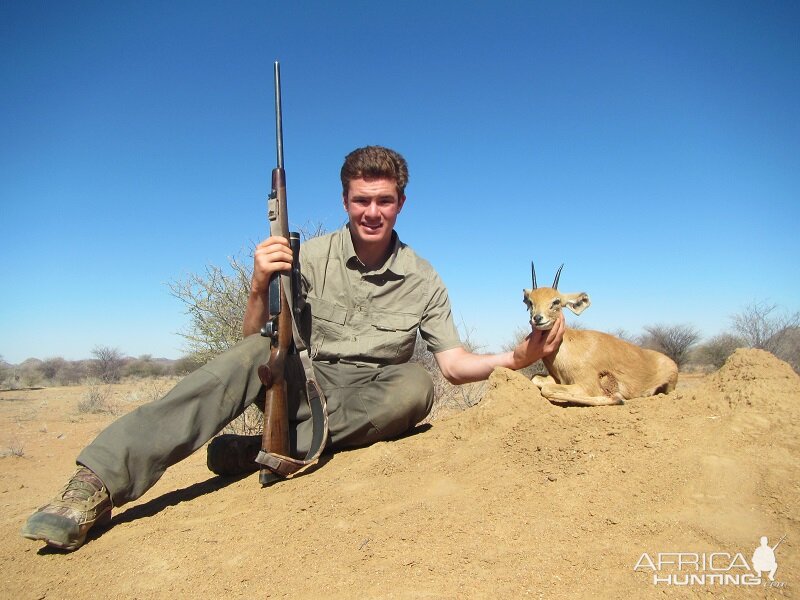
(513, 498)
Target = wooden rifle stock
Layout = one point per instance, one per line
(275, 439)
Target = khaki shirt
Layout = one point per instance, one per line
(371, 317)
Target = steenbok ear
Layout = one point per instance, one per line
(577, 303)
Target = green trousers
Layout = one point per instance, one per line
(365, 405)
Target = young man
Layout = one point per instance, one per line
(365, 297)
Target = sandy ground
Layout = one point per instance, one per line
(513, 498)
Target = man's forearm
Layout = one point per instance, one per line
(459, 366)
(256, 314)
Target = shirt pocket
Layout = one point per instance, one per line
(327, 325)
(396, 334)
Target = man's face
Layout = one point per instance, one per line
(372, 206)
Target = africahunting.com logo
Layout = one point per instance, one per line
(713, 568)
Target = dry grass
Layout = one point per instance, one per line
(250, 422)
(98, 399)
(148, 390)
(15, 448)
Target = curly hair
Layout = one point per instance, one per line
(375, 162)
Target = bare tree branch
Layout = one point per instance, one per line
(673, 340)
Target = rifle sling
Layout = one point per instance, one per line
(286, 466)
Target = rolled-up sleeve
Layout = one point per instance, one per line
(436, 326)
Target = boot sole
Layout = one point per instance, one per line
(53, 535)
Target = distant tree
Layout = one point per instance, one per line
(27, 373)
(74, 371)
(765, 326)
(215, 302)
(187, 364)
(673, 340)
(50, 368)
(762, 325)
(30, 376)
(108, 363)
(788, 347)
(716, 351)
(5, 373)
(623, 334)
(144, 366)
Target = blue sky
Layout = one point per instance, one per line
(652, 147)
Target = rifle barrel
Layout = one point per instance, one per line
(775, 547)
(278, 115)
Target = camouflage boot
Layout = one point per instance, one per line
(63, 523)
(230, 454)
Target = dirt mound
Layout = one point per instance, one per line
(752, 378)
(512, 498)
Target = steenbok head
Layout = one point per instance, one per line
(545, 303)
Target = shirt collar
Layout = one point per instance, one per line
(394, 262)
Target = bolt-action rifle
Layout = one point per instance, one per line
(285, 341)
(775, 547)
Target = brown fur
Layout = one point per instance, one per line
(592, 368)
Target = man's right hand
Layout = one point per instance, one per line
(271, 256)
